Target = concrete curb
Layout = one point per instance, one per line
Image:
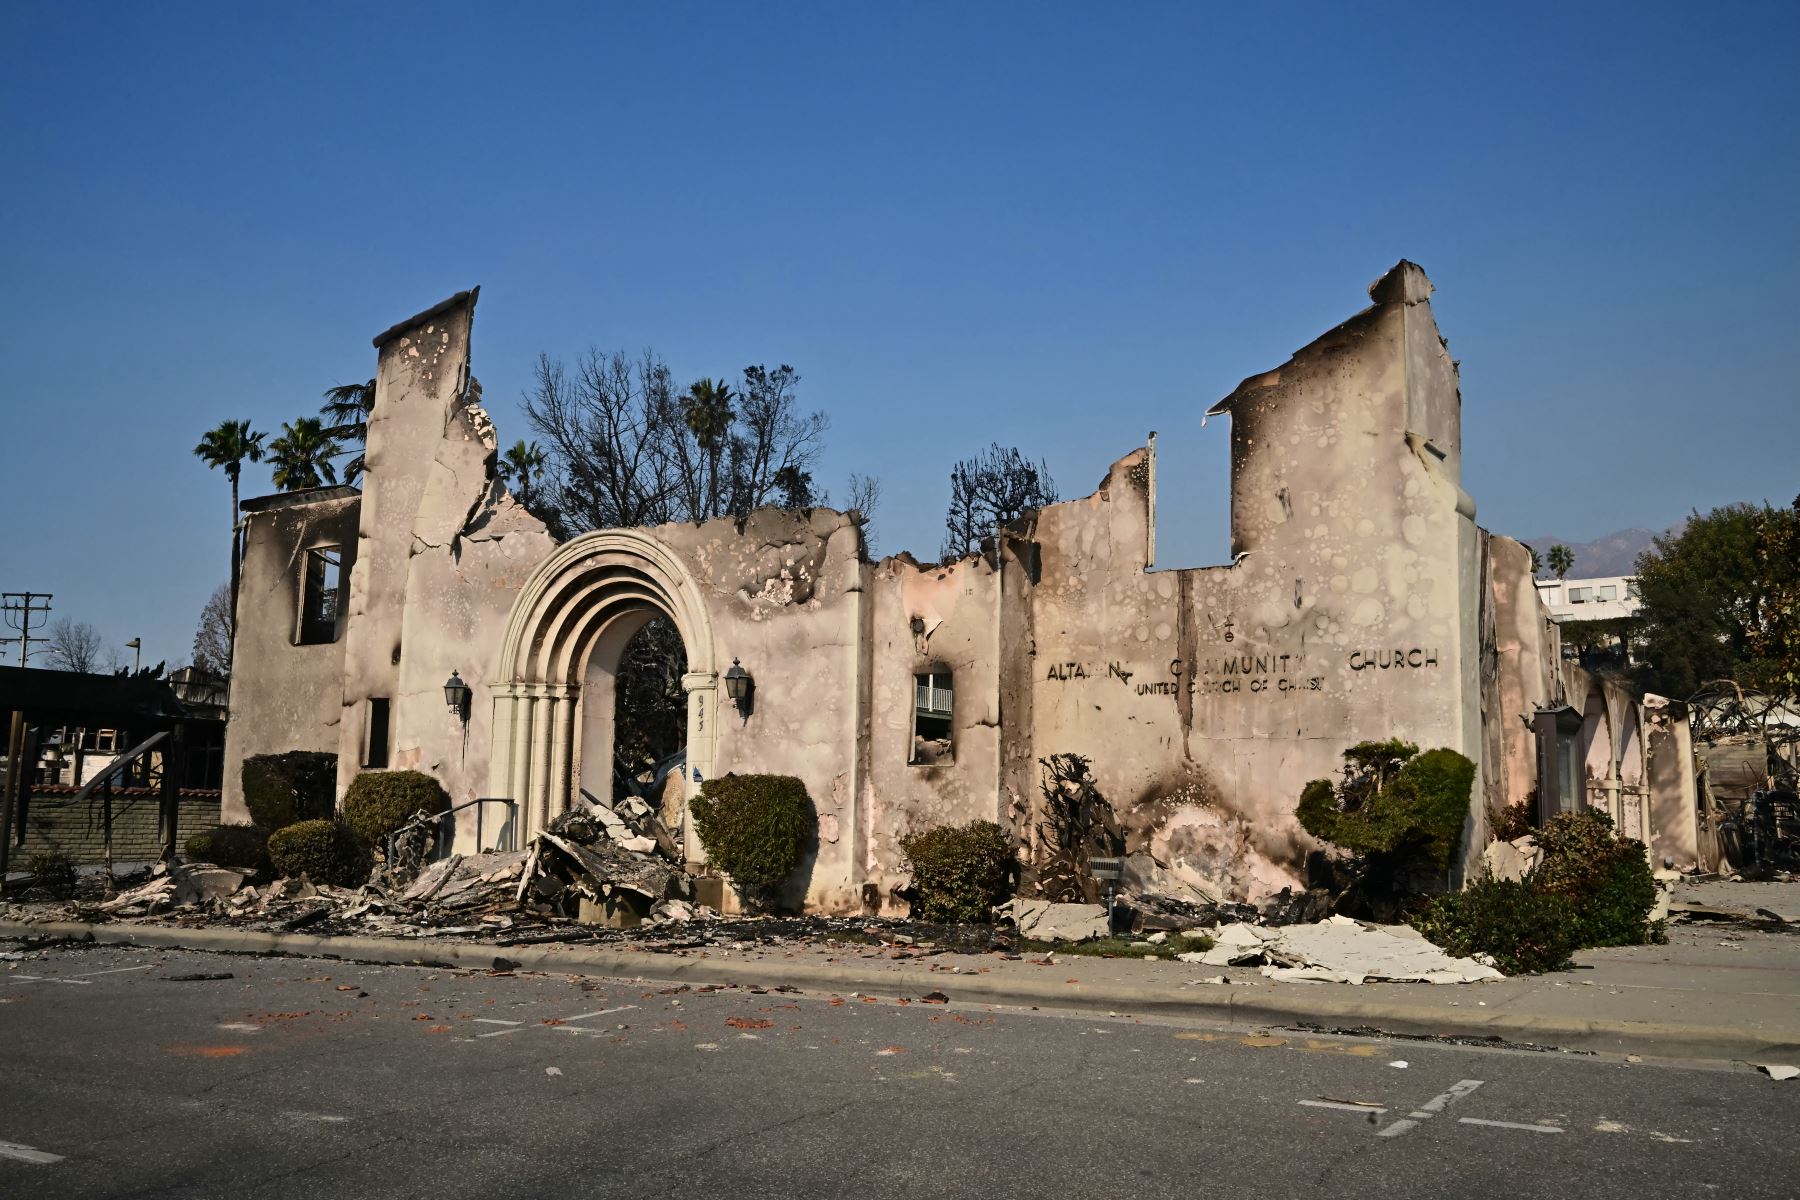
(1220, 1005)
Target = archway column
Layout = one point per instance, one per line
(702, 688)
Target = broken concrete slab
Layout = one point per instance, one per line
(1340, 950)
(1048, 921)
(1512, 860)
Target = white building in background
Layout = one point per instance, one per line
(1597, 599)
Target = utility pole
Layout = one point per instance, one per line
(19, 608)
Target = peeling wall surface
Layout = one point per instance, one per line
(284, 695)
(1362, 603)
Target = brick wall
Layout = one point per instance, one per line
(53, 823)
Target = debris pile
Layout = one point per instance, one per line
(1075, 824)
(1340, 950)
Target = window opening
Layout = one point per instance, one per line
(375, 752)
(319, 596)
(933, 701)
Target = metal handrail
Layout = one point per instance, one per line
(510, 828)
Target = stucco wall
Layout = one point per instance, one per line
(443, 552)
(284, 696)
(931, 617)
(1208, 698)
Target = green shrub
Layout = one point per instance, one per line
(245, 847)
(1606, 879)
(755, 828)
(53, 871)
(960, 872)
(1523, 927)
(1515, 821)
(1402, 810)
(323, 851)
(280, 789)
(379, 802)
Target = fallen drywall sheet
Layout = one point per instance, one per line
(1340, 950)
(1046, 921)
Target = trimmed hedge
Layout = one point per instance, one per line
(245, 847)
(280, 789)
(1401, 809)
(379, 802)
(960, 872)
(755, 828)
(323, 851)
(1523, 927)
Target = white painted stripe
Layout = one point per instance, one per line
(1439, 1103)
(502, 1032)
(241, 1027)
(116, 970)
(48, 979)
(1510, 1125)
(27, 1154)
(605, 1012)
(1436, 1104)
(495, 1021)
(1343, 1107)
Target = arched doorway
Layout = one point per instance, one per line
(553, 686)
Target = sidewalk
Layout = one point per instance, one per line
(1714, 992)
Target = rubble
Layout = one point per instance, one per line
(1340, 950)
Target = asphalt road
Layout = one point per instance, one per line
(120, 1077)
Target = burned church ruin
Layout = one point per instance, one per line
(1362, 602)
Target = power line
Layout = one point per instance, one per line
(18, 609)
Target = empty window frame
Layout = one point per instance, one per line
(375, 740)
(933, 703)
(321, 583)
(1579, 595)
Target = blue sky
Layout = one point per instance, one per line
(1053, 225)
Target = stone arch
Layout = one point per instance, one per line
(567, 628)
(1597, 757)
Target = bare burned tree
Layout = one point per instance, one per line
(212, 640)
(74, 646)
(623, 447)
(994, 488)
(864, 499)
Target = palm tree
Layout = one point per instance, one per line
(1561, 560)
(348, 407)
(519, 468)
(709, 414)
(302, 455)
(228, 446)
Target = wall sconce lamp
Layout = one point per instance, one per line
(740, 685)
(456, 695)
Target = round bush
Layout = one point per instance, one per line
(960, 872)
(1525, 928)
(280, 789)
(245, 847)
(323, 851)
(755, 828)
(379, 802)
